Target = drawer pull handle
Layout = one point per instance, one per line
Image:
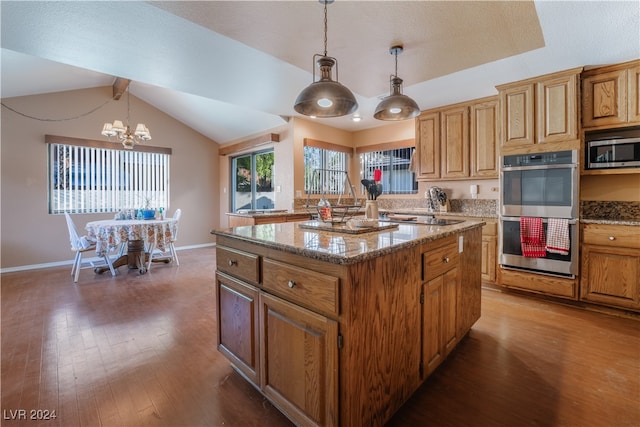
(445, 259)
(612, 238)
(291, 283)
(232, 263)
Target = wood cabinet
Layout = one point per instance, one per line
(610, 96)
(440, 303)
(287, 351)
(299, 351)
(485, 138)
(489, 251)
(458, 141)
(540, 114)
(342, 344)
(428, 145)
(611, 265)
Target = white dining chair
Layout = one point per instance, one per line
(80, 245)
(158, 254)
(176, 215)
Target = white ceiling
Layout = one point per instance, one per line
(232, 69)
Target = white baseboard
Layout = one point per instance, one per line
(84, 260)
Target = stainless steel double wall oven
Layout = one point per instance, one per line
(543, 185)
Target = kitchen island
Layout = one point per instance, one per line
(341, 329)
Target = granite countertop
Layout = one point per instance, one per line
(267, 213)
(427, 212)
(341, 248)
(610, 221)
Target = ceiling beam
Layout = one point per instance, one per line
(254, 142)
(119, 86)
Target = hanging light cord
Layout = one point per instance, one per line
(325, 26)
(57, 120)
(396, 55)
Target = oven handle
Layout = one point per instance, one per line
(528, 168)
(545, 220)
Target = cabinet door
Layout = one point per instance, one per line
(432, 325)
(454, 142)
(489, 259)
(428, 145)
(611, 275)
(634, 95)
(450, 282)
(237, 315)
(516, 109)
(485, 133)
(299, 361)
(604, 99)
(556, 107)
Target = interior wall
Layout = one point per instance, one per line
(32, 236)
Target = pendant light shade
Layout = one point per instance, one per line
(325, 97)
(396, 106)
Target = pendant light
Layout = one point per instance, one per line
(325, 97)
(396, 106)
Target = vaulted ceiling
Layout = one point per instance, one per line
(232, 69)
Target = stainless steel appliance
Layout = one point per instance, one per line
(613, 149)
(552, 264)
(543, 185)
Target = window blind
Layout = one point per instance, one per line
(87, 179)
(394, 164)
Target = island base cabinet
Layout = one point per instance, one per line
(299, 361)
(439, 319)
(238, 325)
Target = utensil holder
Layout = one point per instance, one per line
(371, 209)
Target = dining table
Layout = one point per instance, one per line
(142, 237)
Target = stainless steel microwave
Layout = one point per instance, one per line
(613, 149)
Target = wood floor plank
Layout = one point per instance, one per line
(139, 350)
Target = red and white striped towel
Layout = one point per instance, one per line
(558, 236)
(532, 237)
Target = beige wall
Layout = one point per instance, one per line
(30, 235)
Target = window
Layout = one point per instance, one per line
(394, 164)
(252, 180)
(325, 160)
(90, 178)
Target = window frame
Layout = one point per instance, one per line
(117, 178)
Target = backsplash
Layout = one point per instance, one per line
(471, 207)
(614, 211)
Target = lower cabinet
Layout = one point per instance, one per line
(611, 265)
(331, 344)
(238, 329)
(439, 303)
(439, 319)
(288, 352)
(299, 361)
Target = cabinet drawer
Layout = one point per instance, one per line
(437, 261)
(611, 235)
(240, 264)
(306, 287)
(490, 229)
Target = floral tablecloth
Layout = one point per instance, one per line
(110, 233)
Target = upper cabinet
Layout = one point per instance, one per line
(540, 113)
(458, 141)
(610, 96)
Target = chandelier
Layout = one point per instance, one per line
(325, 97)
(396, 106)
(118, 132)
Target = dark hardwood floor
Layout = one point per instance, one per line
(137, 350)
